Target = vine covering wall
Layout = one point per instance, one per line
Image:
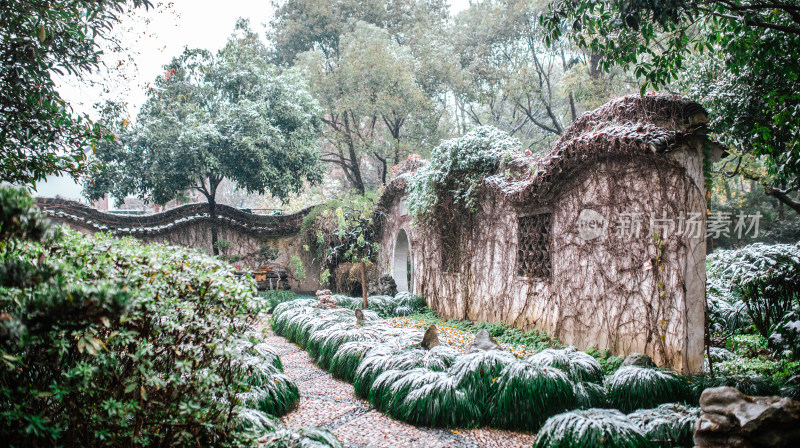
(586, 277)
(189, 225)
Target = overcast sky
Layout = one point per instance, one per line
(154, 37)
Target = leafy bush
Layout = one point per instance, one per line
(746, 384)
(786, 337)
(765, 277)
(456, 171)
(110, 342)
(590, 395)
(669, 425)
(631, 388)
(591, 428)
(347, 359)
(525, 395)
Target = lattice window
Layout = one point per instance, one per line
(451, 248)
(533, 254)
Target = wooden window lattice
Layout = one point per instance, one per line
(533, 254)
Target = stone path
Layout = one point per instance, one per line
(332, 404)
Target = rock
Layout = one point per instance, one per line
(730, 418)
(324, 292)
(384, 286)
(359, 316)
(431, 338)
(483, 342)
(638, 360)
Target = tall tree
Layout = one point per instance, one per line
(739, 58)
(370, 96)
(213, 117)
(39, 132)
(380, 71)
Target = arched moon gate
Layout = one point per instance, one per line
(401, 262)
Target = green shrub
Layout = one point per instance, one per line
(525, 395)
(579, 366)
(765, 277)
(669, 425)
(748, 385)
(591, 428)
(111, 342)
(394, 356)
(424, 397)
(632, 388)
(786, 337)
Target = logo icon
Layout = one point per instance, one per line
(591, 225)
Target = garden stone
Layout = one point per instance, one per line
(483, 342)
(638, 360)
(431, 338)
(359, 316)
(730, 418)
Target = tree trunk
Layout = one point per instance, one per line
(364, 285)
(212, 214)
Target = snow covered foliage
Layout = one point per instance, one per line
(726, 313)
(632, 387)
(765, 277)
(456, 170)
(525, 395)
(475, 372)
(402, 304)
(591, 428)
(669, 425)
(786, 336)
(578, 365)
(346, 360)
(303, 438)
(425, 397)
(746, 384)
(590, 395)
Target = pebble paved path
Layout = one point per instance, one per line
(331, 404)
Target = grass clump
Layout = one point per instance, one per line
(591, 428)
(303, 438)
(346, 360)
(578, 365)
(632, 388)
(476, 372)
(424, 397)
(669, 425)
(276, 297)
(525, 395)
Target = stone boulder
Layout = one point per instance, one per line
(638, 360)
(483, 342)
(384, 286)
(732, 419)
(431, 338)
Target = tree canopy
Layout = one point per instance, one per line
(209, 117)
(739, 58)
(39, 132)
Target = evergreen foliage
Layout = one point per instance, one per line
(578, 365)
(591, 428)
(525, 395)
(103, 335)
(669, 425)
(631, 388)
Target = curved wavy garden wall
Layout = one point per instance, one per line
(189, 225)
(620, 291)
